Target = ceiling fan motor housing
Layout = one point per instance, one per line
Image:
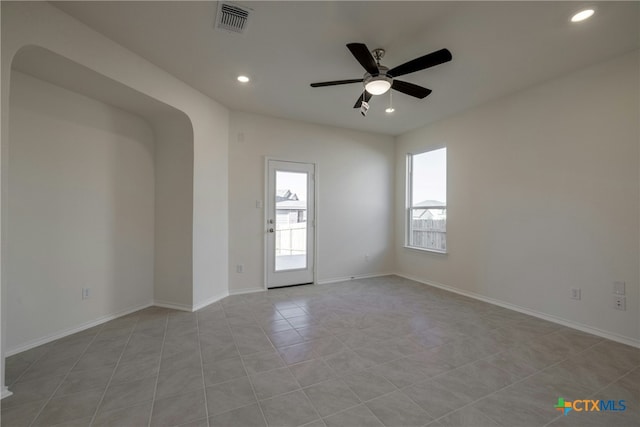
(382, 72)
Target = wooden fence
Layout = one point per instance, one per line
(429, 234)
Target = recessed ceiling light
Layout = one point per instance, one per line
(390, 110)
(243, 79)
(582, 15)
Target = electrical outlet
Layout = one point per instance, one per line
(619, 288)
(576, 293)
(85, 293)
(239, 268)
(620, 303)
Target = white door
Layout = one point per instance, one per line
(290, 227)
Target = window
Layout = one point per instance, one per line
(427, 200)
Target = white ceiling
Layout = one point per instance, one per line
(498, 48)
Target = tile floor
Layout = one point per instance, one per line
(384, 351)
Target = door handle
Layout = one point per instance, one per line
(271, 230)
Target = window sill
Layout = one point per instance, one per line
(431, 251)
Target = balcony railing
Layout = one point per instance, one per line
(291, 239)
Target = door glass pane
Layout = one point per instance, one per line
(291, 220)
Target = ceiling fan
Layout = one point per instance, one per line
(379, 79)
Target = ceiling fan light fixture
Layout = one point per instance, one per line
(378, 85)
(582, 15)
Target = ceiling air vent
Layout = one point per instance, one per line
(232, 17)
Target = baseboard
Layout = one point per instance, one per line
(247, 291)
(354, 277)
(551, 318)
(5, 392)
(172, 305)
(209, 301)
(56, 336)
(44, 340)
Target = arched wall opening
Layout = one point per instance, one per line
(97, 194)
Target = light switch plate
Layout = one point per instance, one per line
(576, 293)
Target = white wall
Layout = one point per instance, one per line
(354, 192)
(80, 211)
(41, 24)
(210, 203)
(174, 211)
(543, 196)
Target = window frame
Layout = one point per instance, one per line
(409, 203)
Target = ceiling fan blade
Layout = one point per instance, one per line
(367, 97)
(410, 89)
(429, 60)
(364, 57)
(336, 82)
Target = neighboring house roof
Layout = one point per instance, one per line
(426, 213)
(282, 195)
(429, 203)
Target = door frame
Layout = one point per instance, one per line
(265, 218)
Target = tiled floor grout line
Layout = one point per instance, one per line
(599, 390)
(364, 402)
(490, 394)
(288, 370)
(30, 366)
(306, 397)
(204, 385)
(277, 350)
(512, 384)
(294, 377)
(122, 407)
(255, 395)
(155, 387)
(376, 325)
(433, 326)
(65, 377)
(400, 389)
(104, 393)
(321, 358)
